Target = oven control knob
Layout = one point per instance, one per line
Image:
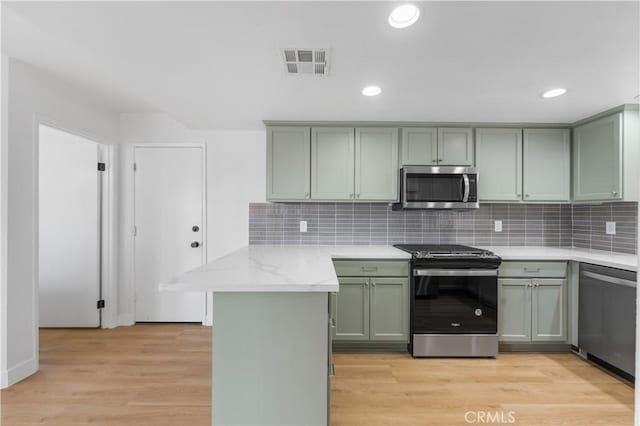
(478, 312)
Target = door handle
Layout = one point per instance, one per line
(467, 188)
(195, 244)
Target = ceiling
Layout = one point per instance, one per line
(216, 65)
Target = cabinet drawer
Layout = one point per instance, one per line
(373, 268)
(533, 269)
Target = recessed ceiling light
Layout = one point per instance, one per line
(371, 91)
(404, 16)
(554, 92)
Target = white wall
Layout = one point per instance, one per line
(4, 139)
(236, 162)
(33, 96)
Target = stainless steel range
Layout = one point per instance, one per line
(454, 301)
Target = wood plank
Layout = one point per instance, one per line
(161, 375)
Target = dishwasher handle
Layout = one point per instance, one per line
(612, 280)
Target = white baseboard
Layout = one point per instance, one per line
(125, 320)
(17, 373)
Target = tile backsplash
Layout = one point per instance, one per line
(550, 225)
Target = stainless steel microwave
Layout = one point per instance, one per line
(429, 187)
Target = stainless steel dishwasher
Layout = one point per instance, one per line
(607, 317)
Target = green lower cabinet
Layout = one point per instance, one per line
(389, 309)
(549, 313)
(352, 310)
(532, 310)
(514, 310)
(372, 310)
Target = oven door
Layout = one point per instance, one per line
(439, 187)
(454, 301)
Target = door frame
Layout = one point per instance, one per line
(206, 300)
(108, 215)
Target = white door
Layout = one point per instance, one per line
(169, 230)
(69, 230)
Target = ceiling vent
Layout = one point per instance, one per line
(306, 61)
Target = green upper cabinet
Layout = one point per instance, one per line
(419, 146)
(288, 163)
(455, 146)
(547, 165)
(332, 163)
(430, 146)
(597, 160)
(499, 162)
(376, 164)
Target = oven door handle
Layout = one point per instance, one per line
(455, 272)
(467, 188)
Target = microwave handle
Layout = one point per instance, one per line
(467, 188)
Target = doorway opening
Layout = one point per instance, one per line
(70, 195)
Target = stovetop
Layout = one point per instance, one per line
(451, 251)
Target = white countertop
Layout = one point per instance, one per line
(263, 268)
(598, 257)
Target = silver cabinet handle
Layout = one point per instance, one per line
(530, 285)
(306, 195)
(369, 269)
(435, 160)
(531, 269)
(537, 285)
(358, 196)
(526, 195)
(614, 193)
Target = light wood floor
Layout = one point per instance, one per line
(161, 375)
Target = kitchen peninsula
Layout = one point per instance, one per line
(271, 334)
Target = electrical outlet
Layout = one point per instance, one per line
(303, 226)
(611, 228)
(497, 226)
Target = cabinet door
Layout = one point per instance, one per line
(514, 310)
(352, 309)
(499, 162)
(376, 164)
(332, 163)
(389, 311)
(288, 163)
(455, 146)
(419, 146)
(547, 164)
(548, 317)
(597, 160)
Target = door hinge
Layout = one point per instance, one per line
(135, 167)
(100, 304)
(102, 167)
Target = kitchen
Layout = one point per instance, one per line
(333, 246)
